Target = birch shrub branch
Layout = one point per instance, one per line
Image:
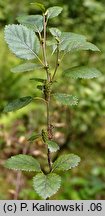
(26, 40)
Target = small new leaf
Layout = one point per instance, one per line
(23, 162)
(22, 41)
(65, 162)
(53, 146)
(66, 99)
(38, 80)
(25, 67)
(54, 11)
(55, 32)
(46, 185)
(18, 104)
(34, 137)
(34, 22)
(82, 72)
(39, 6)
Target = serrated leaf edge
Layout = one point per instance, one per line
(60, 180)
(82, 77)
(34, 53)
(74, 98)
(30, 170)
(24, 170)
(70, 167)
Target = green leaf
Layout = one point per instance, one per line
(76, 46)
(53, 146)
(66, 39)
(22, 41)
(67, 36)
(34, 22)
(39, 6)
(55, 32)
(70, 42)
(88, 46)
(26, 67)
(23, 162)
(46, 185)
(82, 72)
(66, 162)
(38, 80)
(34, 137)
(18, 104)
(66, 99)
(54, 11)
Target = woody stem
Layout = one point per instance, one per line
(48, 81)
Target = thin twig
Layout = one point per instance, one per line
(49, 133)
(44, 41)
(57, 62)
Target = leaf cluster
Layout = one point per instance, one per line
(45, 185)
